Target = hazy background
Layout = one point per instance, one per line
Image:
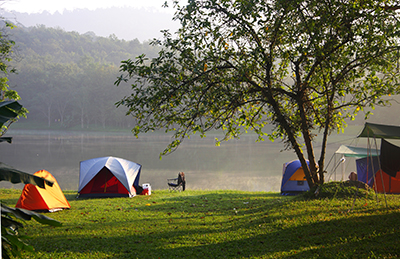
(238, 164)
(128, 20)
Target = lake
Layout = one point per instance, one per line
(238, 164)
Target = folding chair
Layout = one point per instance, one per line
(177, 184)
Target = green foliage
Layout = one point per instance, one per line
(6, 53)
(12, 175)
(9, 113)
(218, 224)
(10, 110)
(301, 66)
(12, 242)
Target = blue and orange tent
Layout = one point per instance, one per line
(293, 178)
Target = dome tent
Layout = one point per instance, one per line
(43, 199)
(293, 178)
(108, 177)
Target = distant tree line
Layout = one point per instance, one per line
(67, 79)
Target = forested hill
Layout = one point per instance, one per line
(64, 47)
(66, 79)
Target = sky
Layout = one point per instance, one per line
(52, 6)
(136, 19)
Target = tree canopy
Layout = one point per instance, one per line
(303, 66)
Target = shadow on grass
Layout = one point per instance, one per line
(71, 196)
(366, 236)
(199, 226)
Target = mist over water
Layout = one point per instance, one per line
(242, 164)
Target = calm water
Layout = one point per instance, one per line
(237, 164)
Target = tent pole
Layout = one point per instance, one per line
(335, 167)
(369, 156)
(380, 170)
(343, 168)
(372, 170)
(327, 166)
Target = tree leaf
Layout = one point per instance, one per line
(12, 175)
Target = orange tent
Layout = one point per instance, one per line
(391, 184)
(48, 198)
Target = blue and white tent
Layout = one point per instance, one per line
(108, 177)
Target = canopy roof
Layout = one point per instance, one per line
(350, 151)
(380, 131)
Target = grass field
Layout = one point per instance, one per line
(218, 224)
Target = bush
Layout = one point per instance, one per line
(342, 190)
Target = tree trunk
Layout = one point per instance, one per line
(281, 120)
(328, 119)
(321, 161)
(307, 136)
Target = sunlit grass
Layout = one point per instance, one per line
(218, 224)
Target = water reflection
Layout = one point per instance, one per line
(237, 164)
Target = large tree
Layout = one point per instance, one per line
(10, 109)
(303, 66)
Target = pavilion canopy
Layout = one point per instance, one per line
(380, 131)
(349, 151)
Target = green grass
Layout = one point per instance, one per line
(219, 224)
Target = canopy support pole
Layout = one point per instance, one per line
(370, 157)
(380, 170)
(343, 168)
(335, 168)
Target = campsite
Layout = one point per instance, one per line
(125, 153)
(217, 224)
